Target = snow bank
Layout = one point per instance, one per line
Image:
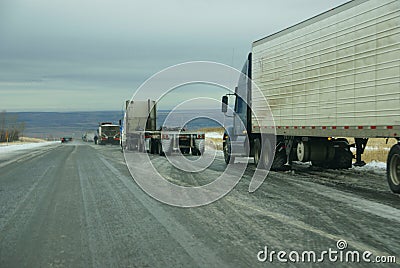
(16, 147)
(372, 166)
(376, 148)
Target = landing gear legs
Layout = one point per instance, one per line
(360, 147)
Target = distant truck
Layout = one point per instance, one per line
(335, 75)
(139, 132)
(108, 133)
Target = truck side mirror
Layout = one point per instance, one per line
(224, 104)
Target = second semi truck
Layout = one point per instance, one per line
(140, 132)
(333, 76)
(108, 133)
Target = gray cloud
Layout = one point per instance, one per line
(113, 46)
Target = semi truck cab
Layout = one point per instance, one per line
(236, 136)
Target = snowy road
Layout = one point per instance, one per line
(76, 205)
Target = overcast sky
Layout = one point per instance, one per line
(83, 55)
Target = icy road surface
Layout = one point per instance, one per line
(76, 205)
(4, 148)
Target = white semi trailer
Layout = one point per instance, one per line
(140, 133)
(335, 75)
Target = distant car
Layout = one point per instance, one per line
(88, 137)
(66, 139)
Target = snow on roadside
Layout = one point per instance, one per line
(214, 135)
(374, 165)
(372, 148)
(24, 146)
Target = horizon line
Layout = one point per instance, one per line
(94, 111)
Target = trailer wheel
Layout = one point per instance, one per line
(280, 160)
(153, 146)
(393, 168)
(343, 159)
(140, 147)
(185, 150)
(169, 152)
(160, 149)
(151, 149)
(199, 150)
(227, 148)
(195, 151)
(262, 153)
(257, 151)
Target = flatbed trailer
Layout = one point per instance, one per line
(139, 133)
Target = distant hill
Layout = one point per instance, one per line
(55, 125)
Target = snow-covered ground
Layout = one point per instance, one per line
(16, 147)
(374, 165)
(372, 148)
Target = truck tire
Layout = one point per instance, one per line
(142, 147)
(393, 168)
(169, 152)
(195, 151)
(303, 151)
(151, 149)
(262, 153)
(280, 160)
(185, 150)
(229, 159)
(160, 149)
(257, 151)
(198, 150)
(170, 149)
(153, 146)
(343, 159)
(201, 151)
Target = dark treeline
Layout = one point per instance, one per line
(10, 128)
